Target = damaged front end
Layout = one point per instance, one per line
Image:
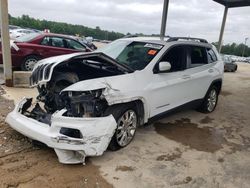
(73, 138)
(84, 104)
(72, 121)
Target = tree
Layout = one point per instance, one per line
(234, 49)
(63, 28)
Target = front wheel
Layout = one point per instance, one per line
(127, 121)
(210, 101)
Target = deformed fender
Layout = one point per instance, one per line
(115, 96)
(112, 95)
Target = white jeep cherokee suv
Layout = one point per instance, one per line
(90, 101)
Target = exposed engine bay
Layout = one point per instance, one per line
(78, 104)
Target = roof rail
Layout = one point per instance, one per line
(130, 36)
(186, 38)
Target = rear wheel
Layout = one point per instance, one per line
(235, 69)
(210, 101)
(127, 121)
(29, 63)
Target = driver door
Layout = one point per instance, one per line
(168, 89)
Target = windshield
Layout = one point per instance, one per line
(27, 38)
(135, 55)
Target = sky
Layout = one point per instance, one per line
(194, 18)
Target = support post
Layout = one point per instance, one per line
(164, 19)
(222, 28)
(5, 42)
(243, 52)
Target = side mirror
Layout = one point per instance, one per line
(164, 66)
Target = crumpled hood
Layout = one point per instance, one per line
(57, 59)
(114, 83)
(42, 72)
(115, 89)
(88, 85)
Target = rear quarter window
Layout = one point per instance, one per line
(211, 56)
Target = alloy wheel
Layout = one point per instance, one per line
(212, 99)
(126, 126)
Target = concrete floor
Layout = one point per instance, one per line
(186, 149)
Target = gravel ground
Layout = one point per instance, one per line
(186, 149)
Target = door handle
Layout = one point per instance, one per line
(186, 77)
(210, 70)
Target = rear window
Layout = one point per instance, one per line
(198, 56)
(27, 38)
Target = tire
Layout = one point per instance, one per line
(62, 80)
(58, 82)
(210, 100)
(29, 62)
(235, 69)
(125, 132)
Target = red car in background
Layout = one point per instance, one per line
(28, 49)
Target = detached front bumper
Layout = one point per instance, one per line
(96, 133)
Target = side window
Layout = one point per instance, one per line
(198, 56)
(46, 41)
(74, 45)
(57, 42)
(53, 41)
(176, 56)
(211, 56)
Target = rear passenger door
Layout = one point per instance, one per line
(200, 71)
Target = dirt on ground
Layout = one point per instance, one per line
(185, 149)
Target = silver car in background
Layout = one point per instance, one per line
(229, 64)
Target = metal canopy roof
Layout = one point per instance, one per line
(234, 3)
